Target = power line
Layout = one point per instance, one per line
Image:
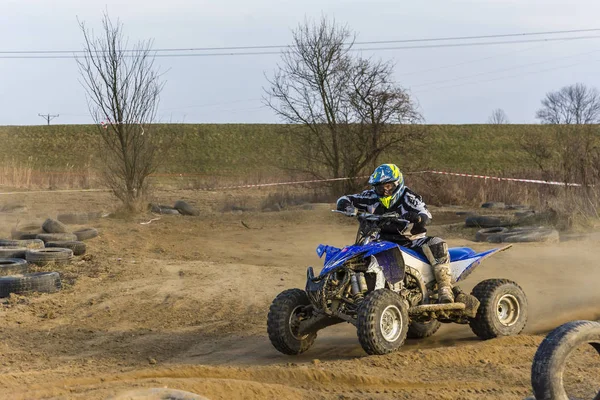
(444, 67)
(479, 43)
(438, 39)
(505, 77)
(359, 49)
(480, 36)
(505, 69)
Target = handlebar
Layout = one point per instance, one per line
(373, 217)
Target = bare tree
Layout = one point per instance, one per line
(378, 107)
(346, 110)
(498, 117)
(574, 104)
(123, 90)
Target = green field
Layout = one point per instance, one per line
(246, 150)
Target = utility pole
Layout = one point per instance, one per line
(48, 117)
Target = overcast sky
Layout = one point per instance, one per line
(453, 85)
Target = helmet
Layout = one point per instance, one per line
(384, 174)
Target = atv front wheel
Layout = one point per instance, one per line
(382, 322)
(283, 322)
(503, 309)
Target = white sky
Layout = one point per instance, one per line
(227, 89)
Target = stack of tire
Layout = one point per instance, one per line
(179, 208)
(522, 234)
(52, 242)
(502, 228)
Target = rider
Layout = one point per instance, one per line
(390, 195)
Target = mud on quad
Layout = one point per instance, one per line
(389, 293)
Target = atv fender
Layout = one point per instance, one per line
(474, 262)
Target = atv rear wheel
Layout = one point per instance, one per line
(382, 322)
(283, 322)
(421, 330)
(503, 309)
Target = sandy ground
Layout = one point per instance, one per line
(182, 302)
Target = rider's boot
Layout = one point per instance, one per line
(444, 281)
(441, 270)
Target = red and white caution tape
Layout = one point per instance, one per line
(505, 179)
(538, 181)
(105, 124)
(56, 191)
(496, 178)
(285, 183)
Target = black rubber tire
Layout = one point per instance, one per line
(278, 323)
(163, 210)
(28, 243)
(421, 330)
(12, 252)
(73, 218)
(547, 235)
(524, 214)
(85, 234)
(13, 266)
(482, 235)
(185, 208)
(487, 324)
(77, 247)
(53, 226)
(13, 208)
(168, 210)
(526, 234)
(55, 237)
(29, 231)
(551, 355)
(522, 207)
(56, 255)
(43, 282)
(484, 221)
(368, 327)
(493, 204)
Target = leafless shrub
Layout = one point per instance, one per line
(123, 90)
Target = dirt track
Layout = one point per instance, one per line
(182, 302)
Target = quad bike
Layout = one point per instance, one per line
(389, 292)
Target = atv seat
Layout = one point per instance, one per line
(456, 253)
(461, 253)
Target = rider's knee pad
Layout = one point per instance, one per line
(439, 250)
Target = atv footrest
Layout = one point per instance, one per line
(436, 307)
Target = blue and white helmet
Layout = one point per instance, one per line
(388, 173)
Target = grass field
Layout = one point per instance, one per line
(210, 155)
(252, 150)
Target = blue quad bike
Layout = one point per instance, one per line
(389, 293)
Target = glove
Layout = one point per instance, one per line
(352, 211)
(343, 203)
(412, 216)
